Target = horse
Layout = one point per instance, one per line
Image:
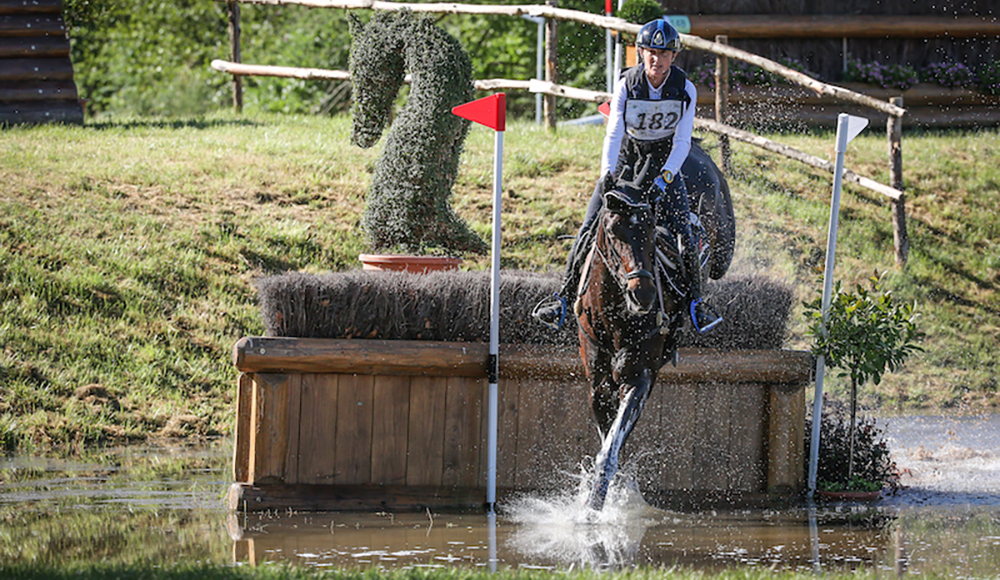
(631, 299)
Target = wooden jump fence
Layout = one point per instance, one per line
(327, 424)
(824, 26)
(36, 75)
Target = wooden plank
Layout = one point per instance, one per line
(711, 444)
(40, 91)
(463, 413)
(383, 357)
(268, 428)
(32, 25)
(747, 438)
(549, 441)
(677, 439)
(646, 451)
(507, 418)
(391, 404)
(468, 359)
(30, 7)
(842, 26)
(41, 112)
(354, 430)
(34, 47)
(786, 436)
(36, 69)
(241, 444)
(294, 421)
(318, 429)
(425, 459)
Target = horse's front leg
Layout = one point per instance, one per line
(633, 398)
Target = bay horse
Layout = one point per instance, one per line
(631, 301)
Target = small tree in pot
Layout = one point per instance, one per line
(867, 333)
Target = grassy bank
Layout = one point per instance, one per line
(128, 252)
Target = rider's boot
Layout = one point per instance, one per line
(703, 316)
(551, 311)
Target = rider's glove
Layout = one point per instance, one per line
(663, 179)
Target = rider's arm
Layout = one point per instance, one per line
(616, 129)
(682, 137)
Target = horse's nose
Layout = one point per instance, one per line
(641, 295)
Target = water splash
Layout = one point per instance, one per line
(558, 527)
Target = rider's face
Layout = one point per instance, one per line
(657, 63)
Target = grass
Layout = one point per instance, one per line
(284, 572)
(128, 251)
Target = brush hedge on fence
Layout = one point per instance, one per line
(454, 307)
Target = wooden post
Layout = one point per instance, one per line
(722, 102)
(234, 46)
(551, 70)
(895, 132)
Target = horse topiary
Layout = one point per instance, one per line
(407, 206)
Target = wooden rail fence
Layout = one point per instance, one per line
(893, 108)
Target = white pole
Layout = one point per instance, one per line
(848, 127)
(493, 363)
(539, 67)
(608, 57)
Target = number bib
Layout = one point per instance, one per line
(652, 120)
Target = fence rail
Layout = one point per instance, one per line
(720, 48)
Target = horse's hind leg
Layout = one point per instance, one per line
(629, 409)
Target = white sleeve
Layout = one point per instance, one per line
(616, 129)
(682, 137)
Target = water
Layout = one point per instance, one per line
(164, 504)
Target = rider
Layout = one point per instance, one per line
(651, 119)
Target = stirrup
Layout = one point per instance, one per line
(694, 317)
(543, 305)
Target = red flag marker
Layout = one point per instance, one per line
(604, 109)
(490, 111)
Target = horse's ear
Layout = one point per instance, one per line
(615, 201)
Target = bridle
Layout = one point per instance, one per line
(612, 257)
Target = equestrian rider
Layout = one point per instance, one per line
(651, 120)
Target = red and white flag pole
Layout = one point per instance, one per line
(492, 112)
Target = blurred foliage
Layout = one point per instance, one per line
(153, 58)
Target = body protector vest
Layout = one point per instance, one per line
(650, 124)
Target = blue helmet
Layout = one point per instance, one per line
(658, 34)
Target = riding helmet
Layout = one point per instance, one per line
(658, 34)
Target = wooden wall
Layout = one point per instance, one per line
(36, 75)
(721, 424)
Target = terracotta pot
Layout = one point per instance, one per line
(407, 263)
(850, 495)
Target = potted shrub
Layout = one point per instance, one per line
(407, 206)
(845, 474)
(867, 333)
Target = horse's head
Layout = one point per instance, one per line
(629, 236)
(377, 66)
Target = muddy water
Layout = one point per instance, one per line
(165, 504)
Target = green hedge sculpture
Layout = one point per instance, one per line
(407, 207)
